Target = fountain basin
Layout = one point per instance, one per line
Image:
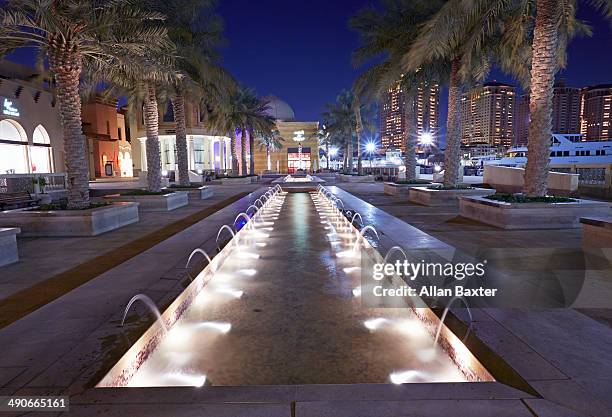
(297, 322)
(299, 183)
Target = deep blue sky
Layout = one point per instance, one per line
(300, 50)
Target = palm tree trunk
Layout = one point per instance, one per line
(543, 69)
(327, 153)
(151, 119)
(178, 106)
(234, 151)
(243, 151)
(349, 155)
(269, 162)
(410, 139)
(251, 153)
(67, 69)
(452, 153)
(358, 130)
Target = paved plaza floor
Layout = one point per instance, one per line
(67, 345)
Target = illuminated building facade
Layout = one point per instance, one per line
(595, 117)
(487, 115)
(392, 121)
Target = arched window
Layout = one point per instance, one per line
(13, 148)
(40, 152)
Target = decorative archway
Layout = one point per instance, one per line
(41, 154)
(13, 148)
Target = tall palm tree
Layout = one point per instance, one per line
(196, 30)
(388, 32)
(72, 34)
(469, 36)
(341, 123)
(271, 141)
(325, 139)
(242, 111)
(555, 25)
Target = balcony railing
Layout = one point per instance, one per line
(13, 183)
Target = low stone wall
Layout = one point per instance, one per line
(72, 223)
(8, 245)
(166, 202)
(236, 181)
(444, 198)
(400, 190)
(596, 232)
(512, 180)
(201, 193)
(530, 215)
(355, 178)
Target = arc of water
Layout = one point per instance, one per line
(355, 216)
(252, 207)
(244, 216)
(259, 201)
(452, 300)
(226, 227)
(362, 233)
(195, 251)
(339, 201)
(152, 307)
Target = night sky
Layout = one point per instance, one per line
(301, 50)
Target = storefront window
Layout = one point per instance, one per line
(40, 152)
(13, 148)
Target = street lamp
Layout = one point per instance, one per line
(426, 139)
(370, 149)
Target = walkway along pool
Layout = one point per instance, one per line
(280, 305)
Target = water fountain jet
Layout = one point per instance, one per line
(152, 307)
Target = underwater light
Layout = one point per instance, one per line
(221, 327)
(375, 324)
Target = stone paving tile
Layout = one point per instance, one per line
(183, 410)
(214, 394)
(545, 408)
(569, 394)
(405, 392)
(526, 361)
(8, 373)
(416, 408)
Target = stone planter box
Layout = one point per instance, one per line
(531, 215)
(194, 194)
(236, 181)
(165, 202)
(597, 232)
(512, 180)
(8, 245)
(400, 190)
(72, 223)
(444, 198)
(355, 178)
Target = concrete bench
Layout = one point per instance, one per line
(596, 232)
(512, 180)
(8, 245)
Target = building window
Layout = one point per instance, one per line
(40, 152)
(169, 114)
(13, 148)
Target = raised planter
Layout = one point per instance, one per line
(400, 190)
(8, 245)
(89, 222)
(156, 202)
(597, 232)
(194, 194)
(355, 178)
(236, 180)
(531, 215)
(444, 198)
(512, 180)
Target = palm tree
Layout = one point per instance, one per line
(73, 34)
(195, 30)
(555, 25)
(469, 36)
(325, 139)
(242, 111)
(272, 141)
(388, 33)
(341, 122)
